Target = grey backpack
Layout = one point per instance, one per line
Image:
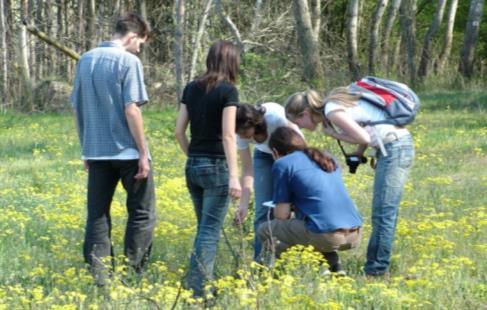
(398, 100)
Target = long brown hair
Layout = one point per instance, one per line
(251, 116)
(222, 64)
(286, 140)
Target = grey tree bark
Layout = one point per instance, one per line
(228, 21)
(90, 25)
(472, 28)
(257, 16)
(445, 52)
(408, 33)
(3, 60)
(316, 18)
(389, 24)
(26, 85)
(307, 41)
(178, 46)
(81, 26)
(374, 33)
(197, 40)
(352, 30)
(426, 55)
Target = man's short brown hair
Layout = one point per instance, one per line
(133, 22)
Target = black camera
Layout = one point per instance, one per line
(353, 161)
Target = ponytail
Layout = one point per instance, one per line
(286, 140)
(325, 161)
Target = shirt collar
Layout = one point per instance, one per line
(109, 44)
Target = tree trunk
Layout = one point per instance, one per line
(257, 17)
(424, 65)
(59, 31)
(3, 60)
(143, 13)
(197, 40)
(313, 72)
(408, 32)
(374, 34)
(233, 28)
(316, 19)
(26, 85)
(390, 18)
(40, 48)
(178, 53)
(470, 39)
(445, 52)
(353, 8)
(81, 24)
(90, 29)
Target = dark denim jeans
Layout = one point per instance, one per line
(207, 182)
(390, 176)
(262, 165)
(103, 177)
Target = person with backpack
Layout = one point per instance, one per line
(347, 116)
(209, 108)
(255, 124)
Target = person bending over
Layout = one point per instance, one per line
(310, 181)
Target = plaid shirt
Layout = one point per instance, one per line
(107, 79)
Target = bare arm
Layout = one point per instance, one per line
(230, 148)
(352, 131)
(247, 185)
(282, 211)
(181, 125)
(136, 126)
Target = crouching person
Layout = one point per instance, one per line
(310, 181)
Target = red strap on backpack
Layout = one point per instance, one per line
(387, 96)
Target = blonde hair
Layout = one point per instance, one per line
(342, 96)
(297, 103)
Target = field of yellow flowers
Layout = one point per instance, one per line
(440, 254)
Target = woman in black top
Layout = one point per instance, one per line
(209, 106)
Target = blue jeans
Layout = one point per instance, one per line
(390, 176)
(207, 182)
(262, 165)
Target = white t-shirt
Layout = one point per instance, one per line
(275, 117)
(367, 112)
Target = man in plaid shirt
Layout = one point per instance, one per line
(108, 91)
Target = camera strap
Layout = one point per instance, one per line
(341, 148)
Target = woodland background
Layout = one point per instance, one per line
(286, 45)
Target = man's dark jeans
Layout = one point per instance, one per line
(103, 177)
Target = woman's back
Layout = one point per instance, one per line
(205, 111)
(320, 198)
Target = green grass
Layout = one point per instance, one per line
(439, 255)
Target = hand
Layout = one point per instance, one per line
(86, 166)
(144, 168)
(240, 215)
(234, 188)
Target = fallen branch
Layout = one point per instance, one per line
(53, 42)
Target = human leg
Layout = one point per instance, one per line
(102, 181)
(262, 165)
(390, 177)
(208, 184)
(141, 214)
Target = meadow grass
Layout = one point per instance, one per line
(439, 259)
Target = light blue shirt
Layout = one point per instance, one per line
(108, 78)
